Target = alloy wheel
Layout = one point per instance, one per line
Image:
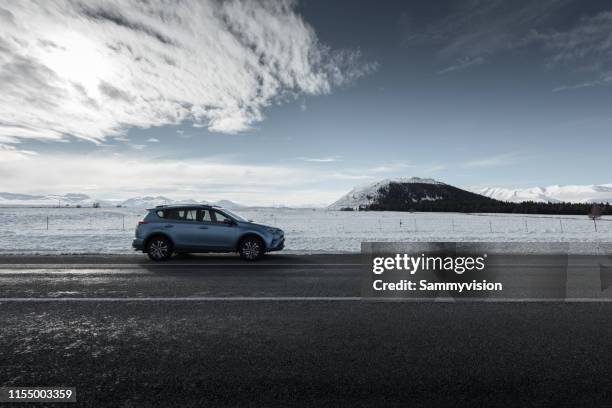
(251, 249)
(158, 249)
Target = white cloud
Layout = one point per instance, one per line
(131, 173)
(126, 176)
(9, 153)
(94, 69)
(153, 140)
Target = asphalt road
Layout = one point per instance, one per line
(287, 331)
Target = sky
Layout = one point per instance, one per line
(296, 102)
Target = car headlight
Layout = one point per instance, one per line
(273, 231)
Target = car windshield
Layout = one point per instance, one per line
(235, 216)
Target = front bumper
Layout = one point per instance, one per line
(277, 244)
(138, 244)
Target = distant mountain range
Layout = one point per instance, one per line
(417, 194)
(408, 193)
(552, 194)
(83, 200)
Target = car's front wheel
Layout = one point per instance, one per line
(251, 248)
(159, 248)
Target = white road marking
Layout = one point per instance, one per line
(291, 299)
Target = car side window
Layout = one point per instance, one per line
(219, 217)
(181, 214)
(190, 215)
(171, 214)
(205, 216)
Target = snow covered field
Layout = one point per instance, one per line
(90, 230)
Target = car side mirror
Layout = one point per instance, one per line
(228, 221)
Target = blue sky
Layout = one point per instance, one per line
(297, 102)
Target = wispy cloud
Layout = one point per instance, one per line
(94, 69)
(327, 159)
(391, 166)
(478, 30)
(586, 48)
(463, 64)
(350, 176)
(481, 27)
(605, 81)
(404, 168)
(495, 161)
(153, 140)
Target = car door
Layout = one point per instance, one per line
(222, 231)
(183, 227)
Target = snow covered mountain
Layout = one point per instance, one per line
(83, 200)
(149, 201)
(230, 205)
(552, 194)
(370, 193)
(51, 200)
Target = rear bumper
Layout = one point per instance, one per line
(138, 244)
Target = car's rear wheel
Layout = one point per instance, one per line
(251, 248)
(159, 248)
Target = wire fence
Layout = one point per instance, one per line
(329, 221)
(112, 231)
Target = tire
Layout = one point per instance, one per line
(251, 248)
(159, 248)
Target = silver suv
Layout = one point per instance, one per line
(203, 228)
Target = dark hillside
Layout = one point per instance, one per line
(446, 198)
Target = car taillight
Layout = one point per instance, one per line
(141, 222)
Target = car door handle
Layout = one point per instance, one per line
(203, 227)
(168, 226)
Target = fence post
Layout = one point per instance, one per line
(526, 227)
(453, 224)
(416, 229)
(561, 224)
(491, 226)
(47, 222)
(595, 224)
(123, 222)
